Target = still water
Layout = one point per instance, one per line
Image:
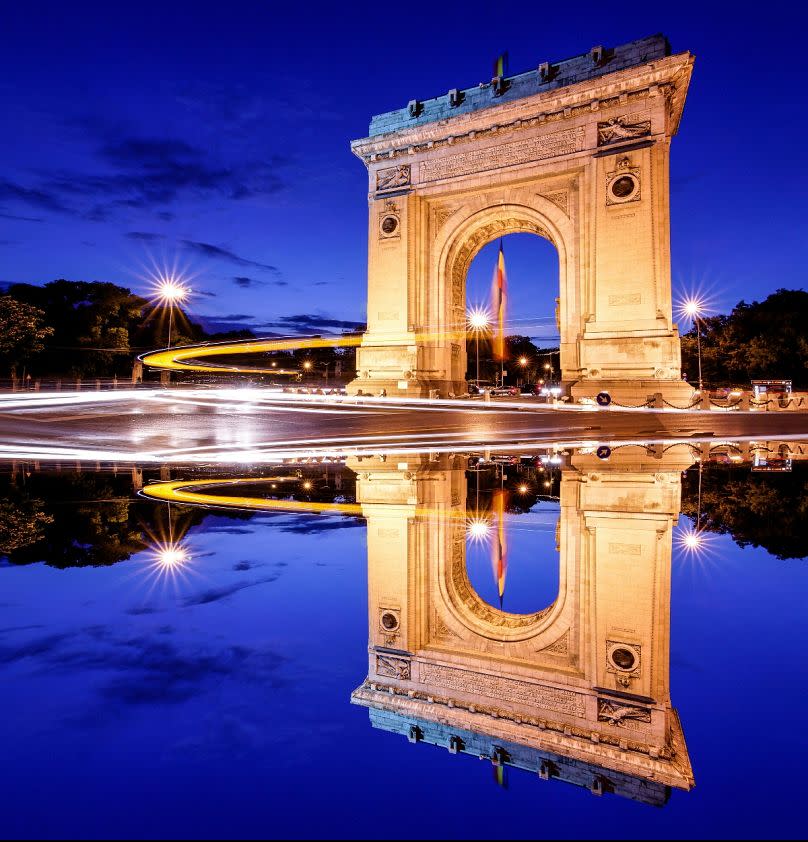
(560, 646)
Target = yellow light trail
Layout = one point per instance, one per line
(185, 358)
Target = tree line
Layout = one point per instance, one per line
(96, 329)
(757, 341)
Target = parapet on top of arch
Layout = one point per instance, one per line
(555, 91)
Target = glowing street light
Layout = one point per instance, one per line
(692, 540)
(478, 321)
(169, 291)
(523, 361)
(307, 365)
(172, 555)
(479, 529)
(693, 308)
(523, 488)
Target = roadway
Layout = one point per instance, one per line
(251, 426)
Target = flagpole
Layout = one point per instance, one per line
(501, 332)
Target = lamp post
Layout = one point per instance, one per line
(171, 292)
(478, 321)
(523, 363)
(693, 309)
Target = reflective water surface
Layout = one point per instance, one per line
(557, 644)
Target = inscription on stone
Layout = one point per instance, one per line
(516, 152)
(625, 298)
(507, 689)
(387, 533)
(625, 549)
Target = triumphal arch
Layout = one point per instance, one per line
(575, 151)
(577, 691)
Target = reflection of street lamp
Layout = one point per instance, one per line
(693, 309)
(478, 321)
(307, 365)
(171, 292)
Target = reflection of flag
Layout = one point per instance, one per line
(501, 64)
(498, 300)
(499, 551)
(499, 776)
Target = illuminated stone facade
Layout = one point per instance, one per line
(580, 689)
(576, 152)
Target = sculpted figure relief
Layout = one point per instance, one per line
(392, 177)
(618, 128)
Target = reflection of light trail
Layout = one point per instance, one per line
(194, 493)
(316, 450)
(185, 491)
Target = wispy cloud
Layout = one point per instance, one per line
(145, 236)
(247, 283)
(215, 252)
(304, 322)
(146, 172)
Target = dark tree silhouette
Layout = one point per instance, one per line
(768, 510)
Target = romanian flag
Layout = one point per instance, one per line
(499, 549)
(498, 301)
(500, 65)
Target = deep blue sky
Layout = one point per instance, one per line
(215, 136)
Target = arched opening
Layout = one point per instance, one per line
(512, 551)
(530, 265)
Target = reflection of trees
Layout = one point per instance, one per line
(489, 478)
(22, 522)
(85, 520)
(756, 509)
(94, 519)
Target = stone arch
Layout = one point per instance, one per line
(471, 611)
(543, 159)
(481, 223)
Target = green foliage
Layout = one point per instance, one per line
(764, 339)
(22, 331)
(97, 327)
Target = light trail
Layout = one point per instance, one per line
(185, 357)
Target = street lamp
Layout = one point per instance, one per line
(307, 365)
(692, 308)
(170, 291)
(478, 321)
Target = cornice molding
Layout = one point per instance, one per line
(668, 77)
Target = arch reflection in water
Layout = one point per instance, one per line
(578, 690)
